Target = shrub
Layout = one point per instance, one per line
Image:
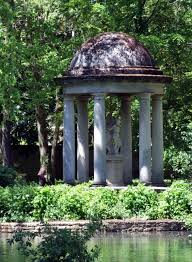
(4, 205)
(61, 202)
(7, 176)
(45, 203)
(31, 202)
(20, 203)
(73, 200)
(139, 201)
(187, 219)
(16, 203)
(57, 245)
(177, 163)
(176, 201)
(101, 203)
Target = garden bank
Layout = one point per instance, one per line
(135, 208)
(113, 225)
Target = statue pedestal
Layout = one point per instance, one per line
(115, 170)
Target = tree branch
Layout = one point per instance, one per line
(153, 12)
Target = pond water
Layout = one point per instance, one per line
(123, 247)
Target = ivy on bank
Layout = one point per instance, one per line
(62, 202)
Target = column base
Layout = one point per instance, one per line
(82, 181)
(115, 184)
(159, 184)
(129, 183)
(70, 183)
(146, 183)
(115, 170)
(99, 184)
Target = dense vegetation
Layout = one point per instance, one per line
(34, 203)
(57, 245)
(37, 41)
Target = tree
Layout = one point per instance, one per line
(35, 24)
(9, 95)
(39, 39)
(58, 244)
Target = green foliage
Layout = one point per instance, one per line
(17, 203)
(61, 202)
(177, 163)
(4, 208)
(140, 201)
(60, 27)
(44, 203)
(7, 176)
(57, 244)
(101, 203)
(187, 219)
(72, 203)
(176, 202)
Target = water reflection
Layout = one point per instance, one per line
(123, 247)
(145, 247)
(9, 253)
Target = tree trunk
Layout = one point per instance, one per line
(5, 137)
(54, 151)
(57, 123)
(43, 139)
(1, 152)
(141, 25)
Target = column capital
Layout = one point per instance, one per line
(157, 97)
(126, 98)
(145, 96)
(82, 98)
(68, 97)
(99, 95)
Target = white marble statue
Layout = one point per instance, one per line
(113, 140)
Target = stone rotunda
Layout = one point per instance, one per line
(113, 64)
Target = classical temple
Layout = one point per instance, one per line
(113, 64)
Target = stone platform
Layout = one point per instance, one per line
(156, 188)
(113, 225)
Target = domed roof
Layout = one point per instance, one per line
(111, 54)
(113, 57)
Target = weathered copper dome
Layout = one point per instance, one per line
(114, 56)
(112, 53)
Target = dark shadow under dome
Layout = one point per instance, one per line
(112, 53)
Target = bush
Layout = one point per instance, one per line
(45, 203)
(62, 202)
(57, 245)
(139, 201)
(176, 202)
(4, 206)
(17, 203)
(101, 203)
(177, 163)
(7, 176)
(73, 200)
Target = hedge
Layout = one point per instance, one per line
(62, 202)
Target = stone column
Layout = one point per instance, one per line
(69, 141)
(157, 141)
(126, 138)
(99, 140)
(82, 140)
(145, 139)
